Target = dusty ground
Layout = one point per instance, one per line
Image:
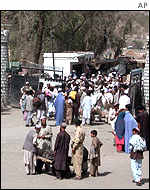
(115, 172)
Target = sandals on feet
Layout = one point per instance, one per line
(138, 183)
(77, 178)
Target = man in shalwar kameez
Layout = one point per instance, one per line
(61, 150)
(86, 107)
(30, 150)
(44, 144)
(59, 106)
(77, 149)
(130, 124)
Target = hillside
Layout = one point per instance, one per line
(33, 33)
(140, 27)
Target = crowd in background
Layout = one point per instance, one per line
(101, 97)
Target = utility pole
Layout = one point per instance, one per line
(53, 54)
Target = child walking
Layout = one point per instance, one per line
(137, 147)
(95, 154)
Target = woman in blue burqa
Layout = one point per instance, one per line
(59, 106)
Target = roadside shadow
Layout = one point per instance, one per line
(5, 113)
(98, 123)
(3, 110)
(145, 180)
(104, 173)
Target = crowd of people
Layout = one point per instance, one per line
(103, 97)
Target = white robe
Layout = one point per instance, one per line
(87, 106)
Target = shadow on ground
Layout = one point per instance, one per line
(5, 113)
(5, 109)
(98, 123)
(104, 173)
(145, 180)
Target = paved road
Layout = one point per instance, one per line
(115, 170)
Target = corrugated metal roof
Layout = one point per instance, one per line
(14, 64)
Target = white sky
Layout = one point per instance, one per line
(75, 5)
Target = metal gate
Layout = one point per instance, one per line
(16, 82)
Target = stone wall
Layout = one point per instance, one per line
(146, 80)
(4, 65)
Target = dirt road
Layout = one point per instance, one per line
(115, 172)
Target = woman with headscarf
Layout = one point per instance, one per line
(59, 106)
(119, 131)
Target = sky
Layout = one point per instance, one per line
(75, 5)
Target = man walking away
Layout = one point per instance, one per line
(61, 149)
(41, 108)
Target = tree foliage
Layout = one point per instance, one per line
(35, 32)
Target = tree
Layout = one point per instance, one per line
(30, 33)
(138, 44)
(39, 29)
(67, 33)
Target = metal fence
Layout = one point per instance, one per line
(16, 82)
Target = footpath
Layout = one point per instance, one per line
(115, 171)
